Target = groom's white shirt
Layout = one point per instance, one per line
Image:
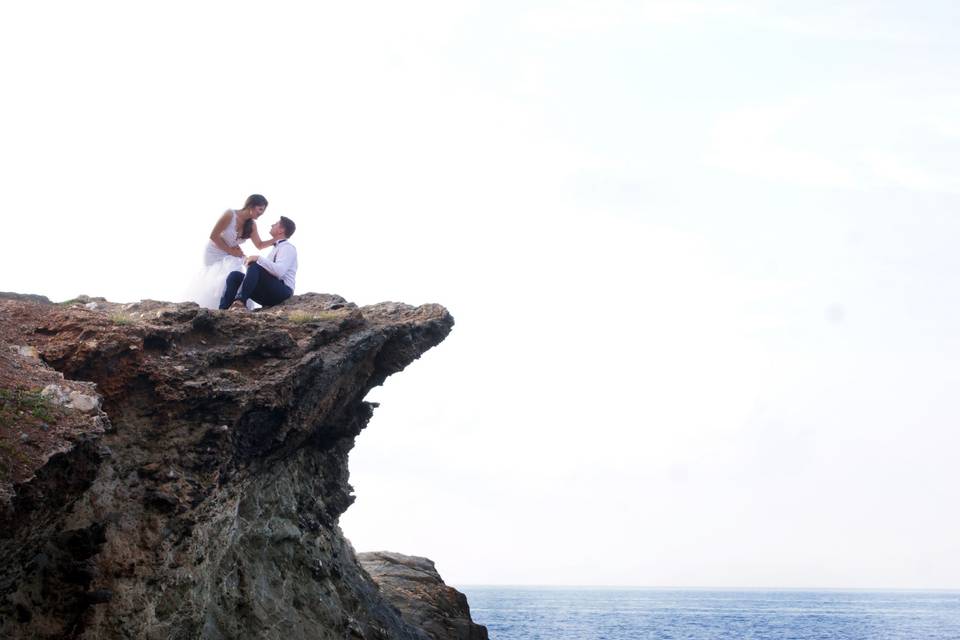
(282, 262)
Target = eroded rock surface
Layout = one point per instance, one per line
(168, 471)
(412, 584)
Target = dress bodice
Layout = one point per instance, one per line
(229, 234)
(214, 254)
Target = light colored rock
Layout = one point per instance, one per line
(84, 403)
(55, 393)
(28, 352)
(72, 399)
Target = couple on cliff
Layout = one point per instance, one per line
(230, 279)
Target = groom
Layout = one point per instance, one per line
(269, 280)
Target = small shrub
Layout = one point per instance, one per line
(17, 404)
(302, 317)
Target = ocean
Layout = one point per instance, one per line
(571, 613)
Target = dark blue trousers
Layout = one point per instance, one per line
(258, 285)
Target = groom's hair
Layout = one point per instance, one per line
(288, 226)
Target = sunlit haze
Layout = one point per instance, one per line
(700, 255)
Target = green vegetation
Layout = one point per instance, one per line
(20, 406)
(119, 318)
(302, 317)
(20, 409)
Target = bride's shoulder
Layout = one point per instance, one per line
(223, 221)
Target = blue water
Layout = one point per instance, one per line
(528, 613)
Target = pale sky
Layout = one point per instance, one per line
(700, 256)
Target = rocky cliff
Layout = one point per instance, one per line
(414, 587)
(172, 472)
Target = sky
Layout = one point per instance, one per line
(700, 256)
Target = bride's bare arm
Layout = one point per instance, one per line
(218, 229)
(257, 242)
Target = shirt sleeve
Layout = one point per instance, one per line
(286, 258)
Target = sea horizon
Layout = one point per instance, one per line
(708, 588)
(626, 613)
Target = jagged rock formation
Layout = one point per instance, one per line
(413, 586)
(167, 471)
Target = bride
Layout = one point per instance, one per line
(223, 253)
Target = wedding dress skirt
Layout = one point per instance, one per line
(210, 282)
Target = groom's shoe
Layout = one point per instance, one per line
(238, 305)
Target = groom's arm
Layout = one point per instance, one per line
(286, 258)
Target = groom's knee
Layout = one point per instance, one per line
(234, 278)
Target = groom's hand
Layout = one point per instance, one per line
(250, 260)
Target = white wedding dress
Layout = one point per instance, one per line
(209, 284)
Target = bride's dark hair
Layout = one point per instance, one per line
(253, 201)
